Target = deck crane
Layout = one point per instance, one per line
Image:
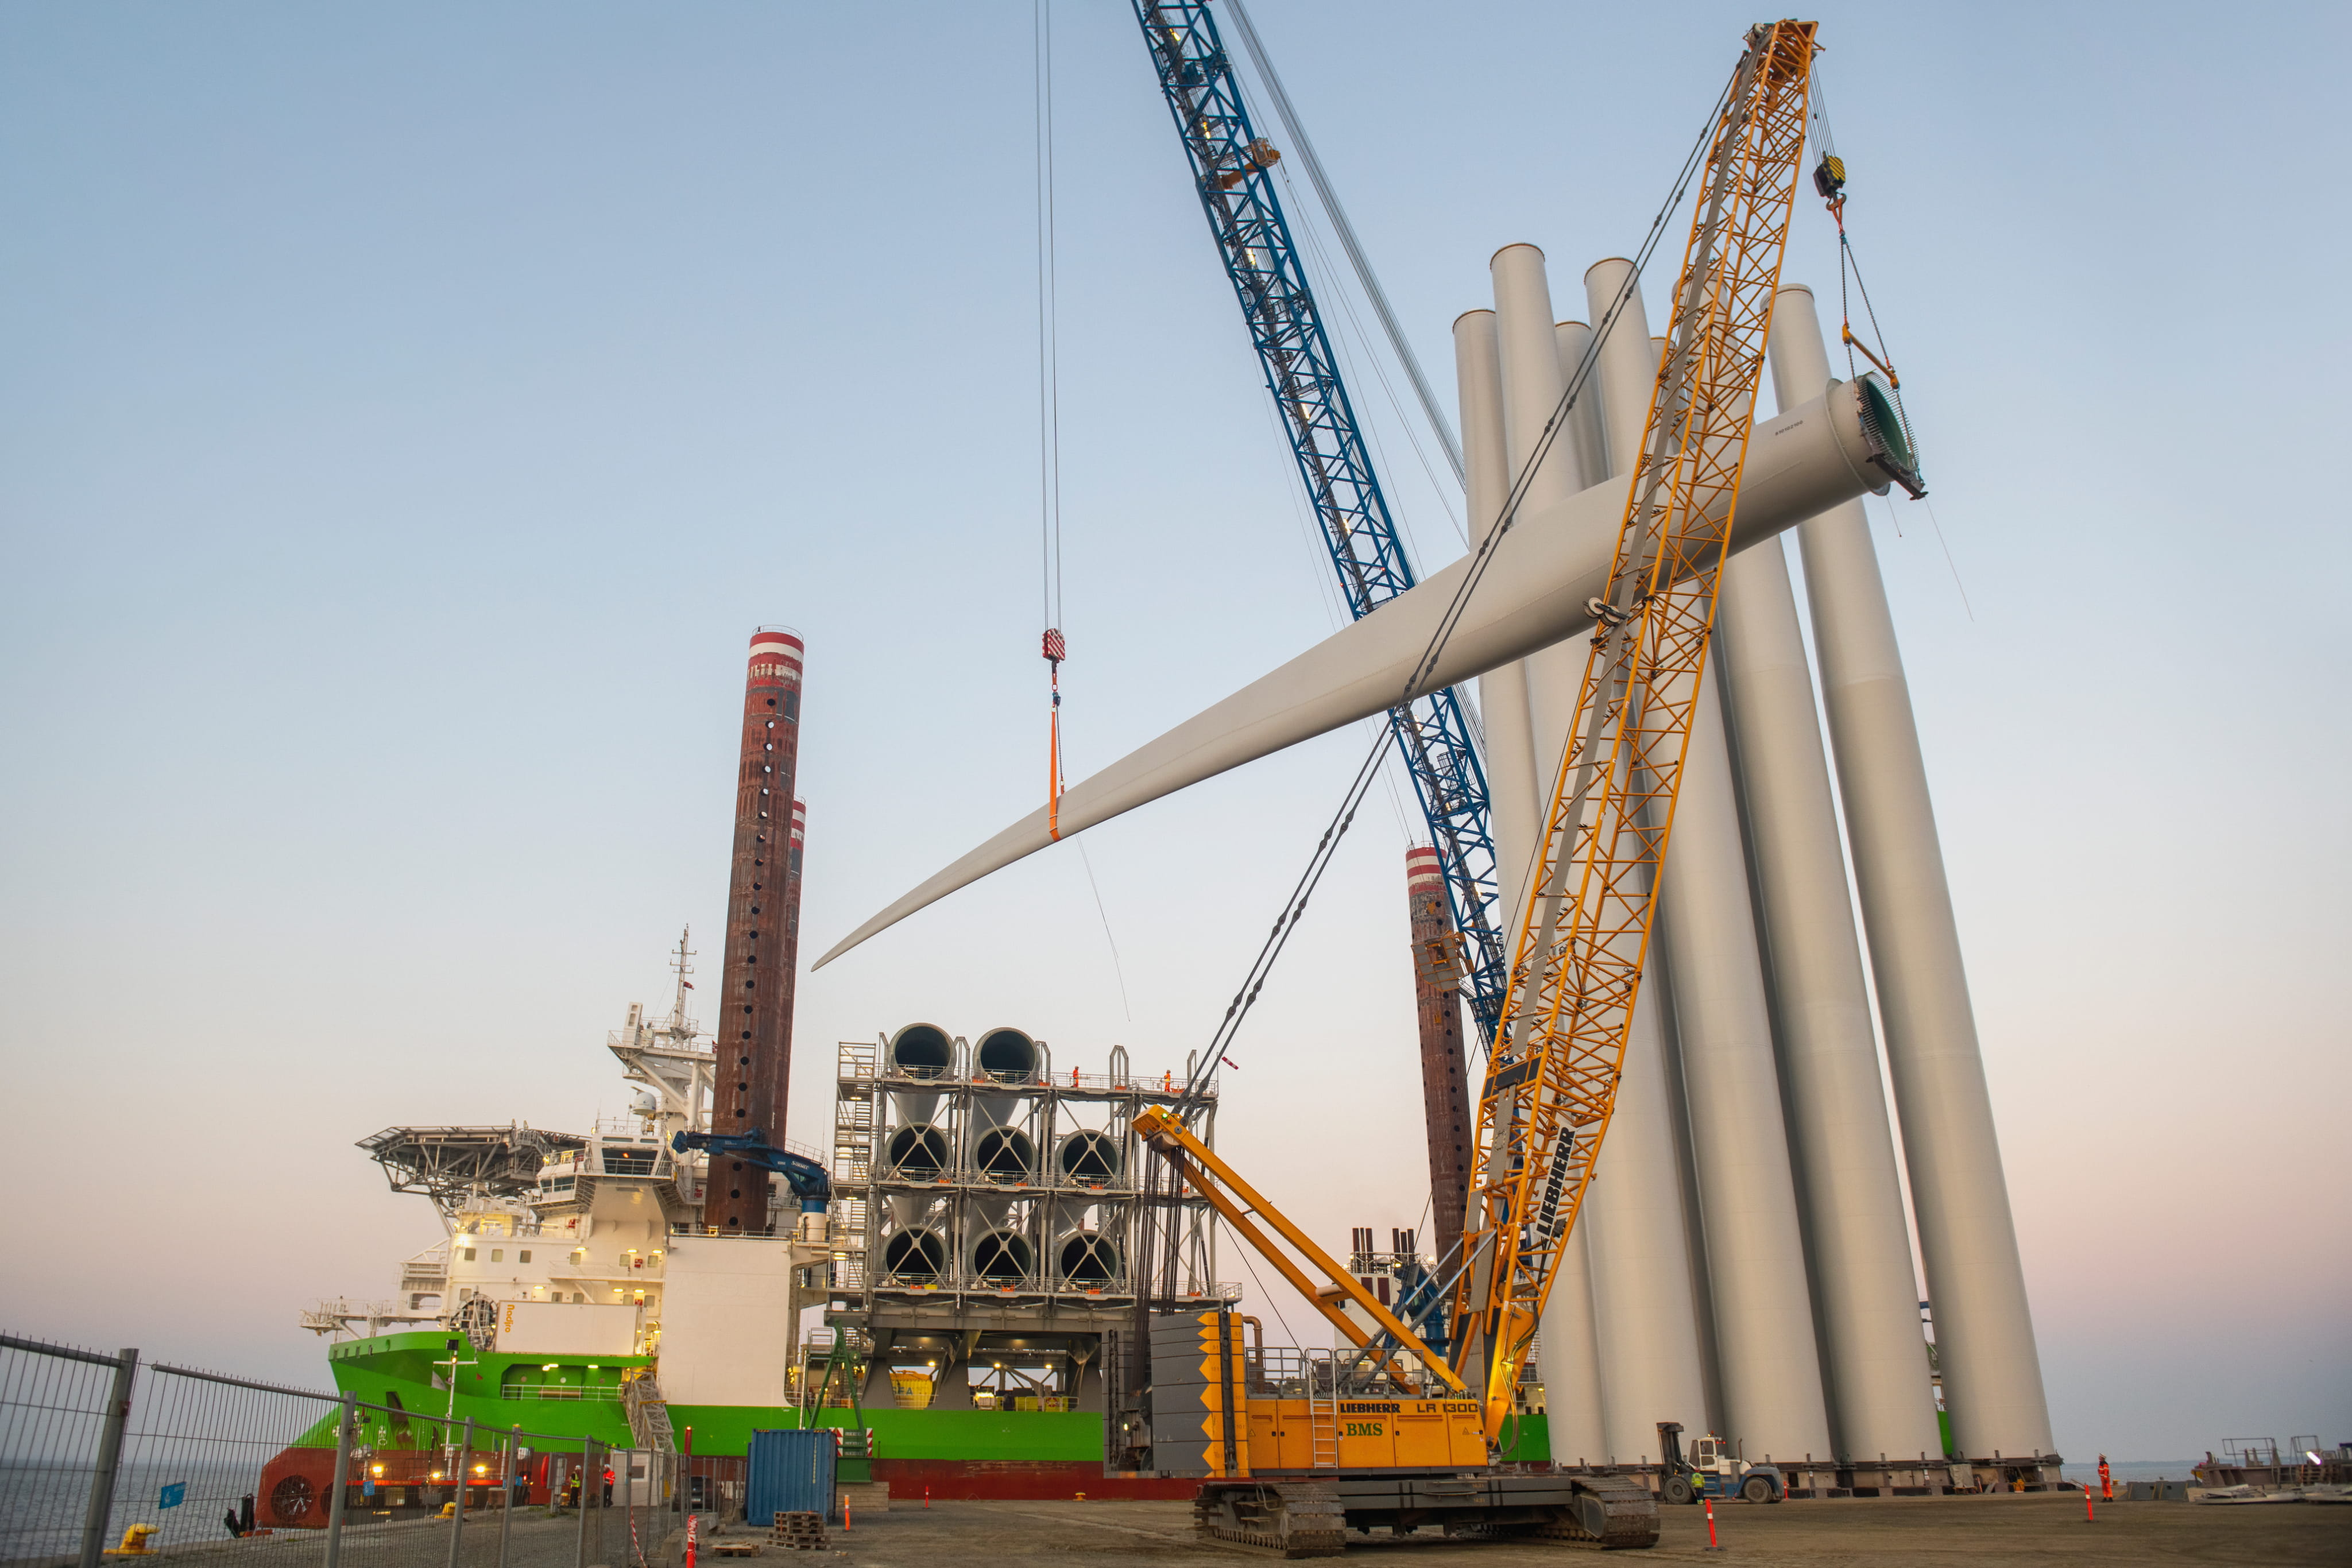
(1559, 1042)
(1230, 163)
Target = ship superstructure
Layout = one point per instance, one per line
(988, 1238)
(537, 1219)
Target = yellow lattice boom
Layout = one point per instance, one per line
(1552, 1075)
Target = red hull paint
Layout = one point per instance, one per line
(294, 1490)
(1021, 1480)
(295, 1486)
(298, 1486)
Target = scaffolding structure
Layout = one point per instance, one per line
(992, 1212)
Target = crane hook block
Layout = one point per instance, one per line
(1829, 176)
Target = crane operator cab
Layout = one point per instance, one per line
(1713, 1470)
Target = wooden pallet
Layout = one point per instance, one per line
(799, 1531)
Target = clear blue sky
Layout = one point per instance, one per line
(405, 414)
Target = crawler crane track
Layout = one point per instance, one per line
(1287, 1518)
(1281, 1518)
(1628, 1515)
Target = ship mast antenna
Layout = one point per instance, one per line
(678, 962)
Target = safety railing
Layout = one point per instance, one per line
(105, 1454)
(527, 1392)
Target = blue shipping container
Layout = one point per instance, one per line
(790, 1472)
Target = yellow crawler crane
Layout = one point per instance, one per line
(1551, 1078)
(1291, 1466)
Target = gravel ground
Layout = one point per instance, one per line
(2027, 1531)
(1903, 1532)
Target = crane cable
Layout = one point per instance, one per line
(1049, 412)
(1049, 465)
(1829, 181)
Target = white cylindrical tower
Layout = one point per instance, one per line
(1768, 1367)
(1502, 691)
(1632, 1218)
(1584, 421)
(1568, 1359)
(1530, 352)
(1531, 372)
(1992, 1374)
(1629, 359)
(1864, 1292)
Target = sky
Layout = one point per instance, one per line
(406, 415)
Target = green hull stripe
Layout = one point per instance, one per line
(402, 1365)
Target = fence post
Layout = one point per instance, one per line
(506, 1513)
(587, 1496)
(458, 1512)
(346, 1416)
(110, 1459)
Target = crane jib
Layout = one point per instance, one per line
(1584, 938)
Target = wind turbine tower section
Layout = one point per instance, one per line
(1959, 1196)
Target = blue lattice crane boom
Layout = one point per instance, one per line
(1230, 163)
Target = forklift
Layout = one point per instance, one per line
(1712, 1471)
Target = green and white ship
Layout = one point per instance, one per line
(978, 1255)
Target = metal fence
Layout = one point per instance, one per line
(110, 1456)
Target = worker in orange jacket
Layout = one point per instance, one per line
(2106, 1481)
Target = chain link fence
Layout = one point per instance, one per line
(105, 1457)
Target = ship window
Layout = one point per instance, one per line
(497, 1255)
(469, 1254)
(523, 1256)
